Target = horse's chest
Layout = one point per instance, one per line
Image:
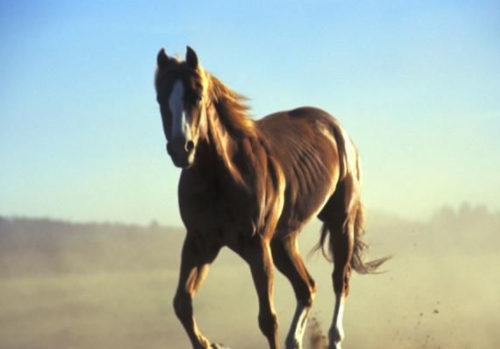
(217, 213)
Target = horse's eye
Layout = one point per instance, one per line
(197, 99)
(193, 99)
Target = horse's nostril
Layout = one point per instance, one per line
(189, 146)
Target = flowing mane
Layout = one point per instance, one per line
(229, 122)
(231, 107)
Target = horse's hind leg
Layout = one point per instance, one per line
(339, 224)
(289, 262)
(342, 235)
(339, 216)
(195, 261)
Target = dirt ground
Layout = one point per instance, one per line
(101, 286)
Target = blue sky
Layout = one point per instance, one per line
(415, 83)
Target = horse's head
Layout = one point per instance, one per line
(181, 93)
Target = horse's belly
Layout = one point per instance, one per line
(303, 202)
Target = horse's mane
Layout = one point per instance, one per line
(232, 109)
(229, 119)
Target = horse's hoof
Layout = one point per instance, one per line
(336, 337)
(218, 346)
(293, 344)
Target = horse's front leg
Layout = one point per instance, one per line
(257, 253)
(195, 261)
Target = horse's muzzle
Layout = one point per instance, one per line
(182, 154)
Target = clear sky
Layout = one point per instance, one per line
(415, 83)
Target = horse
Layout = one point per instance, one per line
(251, 185)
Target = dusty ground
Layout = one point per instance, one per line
(107, 287)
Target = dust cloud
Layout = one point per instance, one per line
(68, 285)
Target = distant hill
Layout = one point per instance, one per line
(40, 246)
(466, 230)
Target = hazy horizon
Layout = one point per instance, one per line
(459, 209)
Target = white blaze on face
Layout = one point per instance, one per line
(180, 123)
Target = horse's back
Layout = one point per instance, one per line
(303, 141)
(292, 118)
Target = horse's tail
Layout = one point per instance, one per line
(350, 194)
(360, 247)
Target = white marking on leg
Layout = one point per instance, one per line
(337, 330)
(297, 329)
(180, 124)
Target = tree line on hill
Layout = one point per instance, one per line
(31, 246)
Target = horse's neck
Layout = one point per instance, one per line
(227, 126)
(221, 147)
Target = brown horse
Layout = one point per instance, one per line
(251, 186)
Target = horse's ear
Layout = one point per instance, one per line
(191, 58)
(162, 59)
